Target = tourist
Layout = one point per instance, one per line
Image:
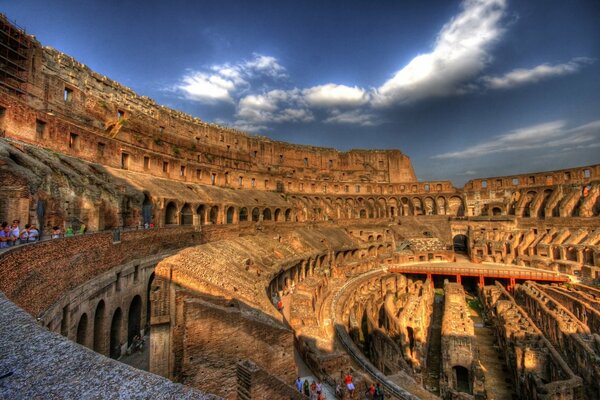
(319, 387)
(349, 384)
(299, 384)
(313, 391)
(82, 229)
(379, 392)
(24, 236)
(280, 305)
(371, 392)
(306, 387)
(33, 233)
(15, 233)
(56, 232)
(338, 390)
(69, 232)
(4, 235)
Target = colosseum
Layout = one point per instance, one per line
(202, 262)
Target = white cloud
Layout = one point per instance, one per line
(275, 106)
(522, 76)
(548, 135)
(222, 82)
(206, 88)
(265, 65)
(354, 117)
(460, 52)
(332, 95)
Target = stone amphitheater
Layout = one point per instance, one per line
(197, 235)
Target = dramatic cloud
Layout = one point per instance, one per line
(354, 117)
(548, 135)
(332, 95)
(276, 106)
(221, 83)
(460, 53)
(520, 77)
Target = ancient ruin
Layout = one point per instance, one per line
(231, 253)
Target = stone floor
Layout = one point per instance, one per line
(431, 375)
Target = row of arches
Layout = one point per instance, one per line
(215, 214)
(110, 326)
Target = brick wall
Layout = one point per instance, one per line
(35, 276)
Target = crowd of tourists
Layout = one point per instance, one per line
(343, 390)
(13, 234)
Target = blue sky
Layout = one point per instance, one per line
(467, 89)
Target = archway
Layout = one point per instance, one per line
(171, 214)
(186, 217)
(99, 328)
(115, 334)
(277, 214)
(148, 302)
(266, 214)
(288, 215)
(82, 329)
(201, 211)
(147, 210)
(255, 215)
(243, 214)
(230, 212)
(134, 317)
(460, 244)
(214, 212)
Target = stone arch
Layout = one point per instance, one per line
(362, 213)
(171, 213)
(82, 330)
(429, 206)
(115, 334)
(496, 211)
(134, 319)
(100, 328)
(288, 215)
(267, 214)
(417, 206)
(229, 215)
(243, 214)
(441, 205)
(147, 209)
(382, 210)
(406, 206)
(214, 215)
(201, 212)
(456, 206)
(277, 214)
(185, 216)
(255, 214)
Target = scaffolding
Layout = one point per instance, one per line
(14, 56)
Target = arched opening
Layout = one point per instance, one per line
(460, 243)
(200, 211)
(186, 217)
(115, 334)
(496, 211)
(266, 214)
(134, 317)
(363, 214)
(99, 328)
(82, 329)
(148, 302)
(462, 379)
(288, 215)
(277, 214)
(214, 211)
(171, 214)
(255, 214)
(230, 212)
(147, 210)
(243, 214)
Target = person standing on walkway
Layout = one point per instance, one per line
(298, 384)
(306, 387)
